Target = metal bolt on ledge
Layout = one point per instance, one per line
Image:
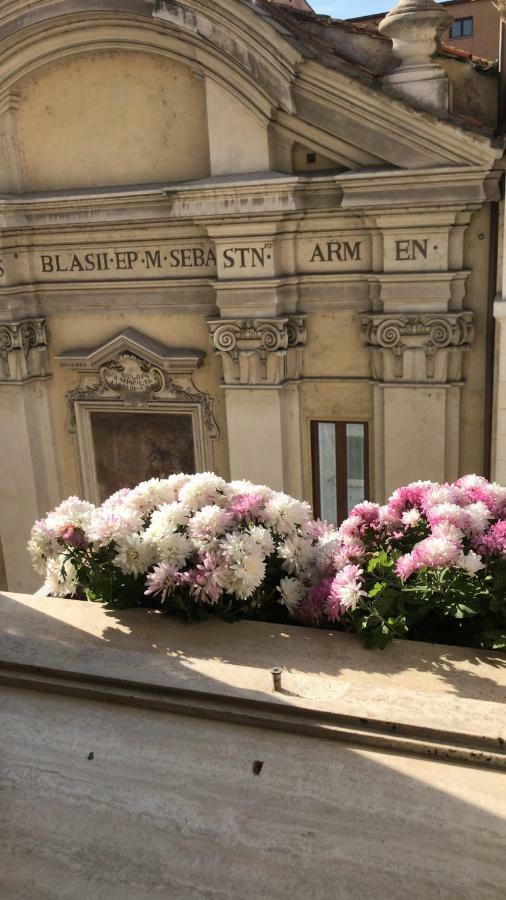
(276, 672)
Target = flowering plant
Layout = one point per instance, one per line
(429, 565)
(195, 544)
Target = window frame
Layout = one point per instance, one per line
(460, 23)
(341, 464)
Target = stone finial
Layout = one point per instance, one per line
(415, 28)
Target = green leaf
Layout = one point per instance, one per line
(377, 589)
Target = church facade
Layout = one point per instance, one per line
(237, 236)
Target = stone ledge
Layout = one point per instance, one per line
(416, 698)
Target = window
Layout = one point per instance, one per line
(340, 467)
(462, 28)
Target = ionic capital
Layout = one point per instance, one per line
(23, 351)
(261, 352)
(421, 348)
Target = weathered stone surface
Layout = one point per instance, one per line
(169, 805)
(454, 688)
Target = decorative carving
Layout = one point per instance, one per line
(134, 379)
(23, 351)
(144, 375)
(418, 347)
(259, 351)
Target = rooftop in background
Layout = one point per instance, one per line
(295, 4)
(475, 28)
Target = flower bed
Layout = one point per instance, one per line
(194, 544)
(429, 565)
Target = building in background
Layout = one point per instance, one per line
(475, 26)
(243, 237)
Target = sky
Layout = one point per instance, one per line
(347, 9)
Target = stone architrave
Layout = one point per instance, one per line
(29, 471)
(262, 366)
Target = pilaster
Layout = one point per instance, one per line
(28, 471)
(262, 361)
(11, 169)
(417, 369)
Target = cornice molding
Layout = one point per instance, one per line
(237, 197)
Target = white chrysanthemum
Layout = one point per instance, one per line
(71, 512)
(262, 538)
(498, 493)
(247, 574)
(478, 516)
(444, 493)
(471, 562)
(173, 548)
(207, 524)
(167, 519)
(448, 532)
(149, 495)
(448, 512)
(42, 547)
(134, 556)
(112, 524)
(245, 562)
(236, 488)
(284, 513)
(411, 517)
(320, 557)
(330, 538)
(472, 482)
(294, 553)
(61, 577)
(292, 593)
(202, 490)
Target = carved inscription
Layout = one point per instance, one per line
(247, 257)
(113, 261)
(408, 250)
(203, 258)
(420, 253)
(337, 251)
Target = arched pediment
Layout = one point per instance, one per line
(205, 63)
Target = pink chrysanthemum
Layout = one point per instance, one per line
(345, 592)
(311, 610)
(162, 581)
(246, 506)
